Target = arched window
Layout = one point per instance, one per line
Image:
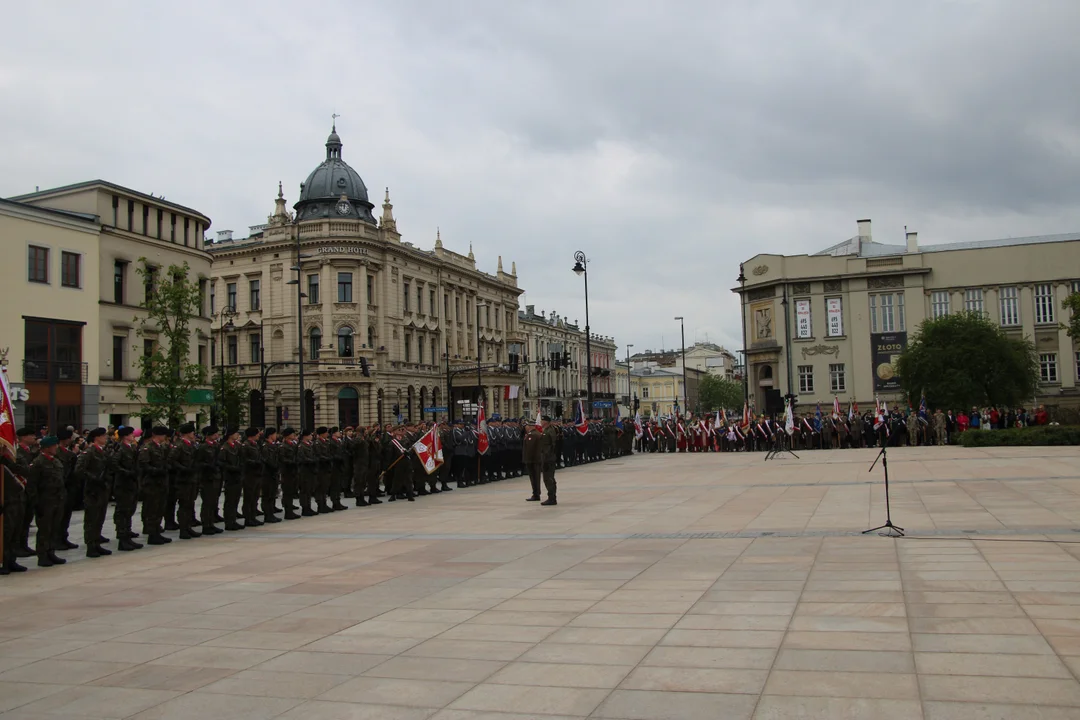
(315, 337)
(345, 342)
(371, 337)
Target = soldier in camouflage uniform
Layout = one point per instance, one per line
(124, 462)
(90, 469)
(231, 477)
(66, 454)
(50, 496)
(206, 461)
(251, 471)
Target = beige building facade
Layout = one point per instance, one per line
(662, 389)
(71, 337)
(417, 318)
(831, 324)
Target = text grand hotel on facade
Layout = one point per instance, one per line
(852, 307)
(368, 294)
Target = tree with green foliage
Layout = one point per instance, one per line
(230, 397)
(965, 360)
(1072, 303)
(166, 376)
(717, 392)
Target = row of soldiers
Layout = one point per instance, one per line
(187, 480)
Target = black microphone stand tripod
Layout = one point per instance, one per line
(890, 529)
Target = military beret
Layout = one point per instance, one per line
(187, 428)
(546, 418)
(321, 430)
(64, 434)
(333, 430)
(48, 441)
(305, 433)
(349, 428)
(210, 430)
(96, 432)
(270, 431)
(125, 431)
(26, 432)
(251, 432)
(159, 431)
(287, 432)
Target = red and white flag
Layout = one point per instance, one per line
(582, 424)
(427, 449)
(835, 407)
(481, 428)
(746, 413)
(7, 418)
(638, 432)
(539, 424)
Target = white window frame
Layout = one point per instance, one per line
(1010, 306)
(806, 378)
(1044, 304)
(940, 301)
(837, 378)
(973, 300)
(1048, 368)
(838, 315)
(803, 331)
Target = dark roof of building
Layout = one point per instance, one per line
(111, 186)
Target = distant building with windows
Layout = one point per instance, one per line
(346, 290)
(831, 324)
(708, 357)
(68, 330)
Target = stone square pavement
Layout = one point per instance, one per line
(679, 587)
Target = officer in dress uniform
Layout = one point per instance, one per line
(124, 461)
(90, 471)
(47, 476)
(16, 479)
(153, 463)
(307, 468)
(67, 455)
(209, 473)
(446, 439)
(534, 439)
(252, 470)
(231, 477)
(547, 459)
(185, 473)
(374, 468)
(288, 458)
(271, 469)
(358, 448)
(323, 456)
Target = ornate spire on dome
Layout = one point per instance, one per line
(333, 143)
(438, 238)
(388, 221)
(471, 256)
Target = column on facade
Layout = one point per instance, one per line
(992, 304)
(327, 294)
(1066, 356)
(360, 295)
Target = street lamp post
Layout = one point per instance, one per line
(227, 314)
(682, 332)
(742, 311)
(479, 378)
(300, 295)
(581, 268)
(787, 342)
(629, 385)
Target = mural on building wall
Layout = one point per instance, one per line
(885, 349)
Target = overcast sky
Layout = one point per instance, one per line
(668, 140)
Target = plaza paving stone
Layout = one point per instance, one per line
(693, 586)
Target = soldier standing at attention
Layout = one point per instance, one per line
(307, 471)
(547, 459)
(231, 480)
(271, 467)
(66, 454)
(358, 448)
(322, 478)
(125, 488)
(25, 454)
(252, 469)
(347, 467)
(337, 470)
(16, 477)
(153, 466)
(185, 478)
(446, 441)
(530, 455)
(374, 466)
(90, 473)
(47, 476)
(209, 479)
(288, 459)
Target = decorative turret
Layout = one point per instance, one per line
(500, 263)
(438, 239)
(471, 256)
(513, 268)
(281, 215)
(388, 221)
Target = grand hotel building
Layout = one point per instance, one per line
(418, 318)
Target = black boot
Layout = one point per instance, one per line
(271, 518)
(308, 512)
(446, 488)
(549, 501)
(127, 545)
(56, 559)
(360, 501)
(44, 561)
(66, 544)
(374, 500)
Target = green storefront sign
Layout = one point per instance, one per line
(198, 396)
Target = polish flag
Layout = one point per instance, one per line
(482, 430)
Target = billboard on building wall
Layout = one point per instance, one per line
(885, 348)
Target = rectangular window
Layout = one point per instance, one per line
(254, 290)
(344, 287)
(887, 313)
(468, 311)
(119, 275)
(1048, 368)
(115, 211)
(38, 270)
(1010, 306)
(834, 316)
(202, 357)
(446, 305)
(1044, 304)
(806, 378)
(148, 350)
(202, 297)
(256, 348)
(160, 217)
(939, 304)
(230, 295)
(803, 326)
(405, 306)
(1077, 365)
(213, 298)
(408, 348)
(420, 349)
(432, 307)
(69, 269)
(213, 350)
(131, 216)
(420, 299)
(313, 289)
(187, 226)
(434, 355)
(837, 378)
(973, 300)
(118, 343)
(487, 316)
(172, 228)
(371, 289)
(457, 309)
(232, 349)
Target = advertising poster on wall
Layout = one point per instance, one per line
(803, 328)
(885, 349)
(834, 312)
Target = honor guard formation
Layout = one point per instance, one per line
(226, 481)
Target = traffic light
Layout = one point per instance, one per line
(514, 363)
(397, 409)
(566, 359)
(364, 367)
(637, 403)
